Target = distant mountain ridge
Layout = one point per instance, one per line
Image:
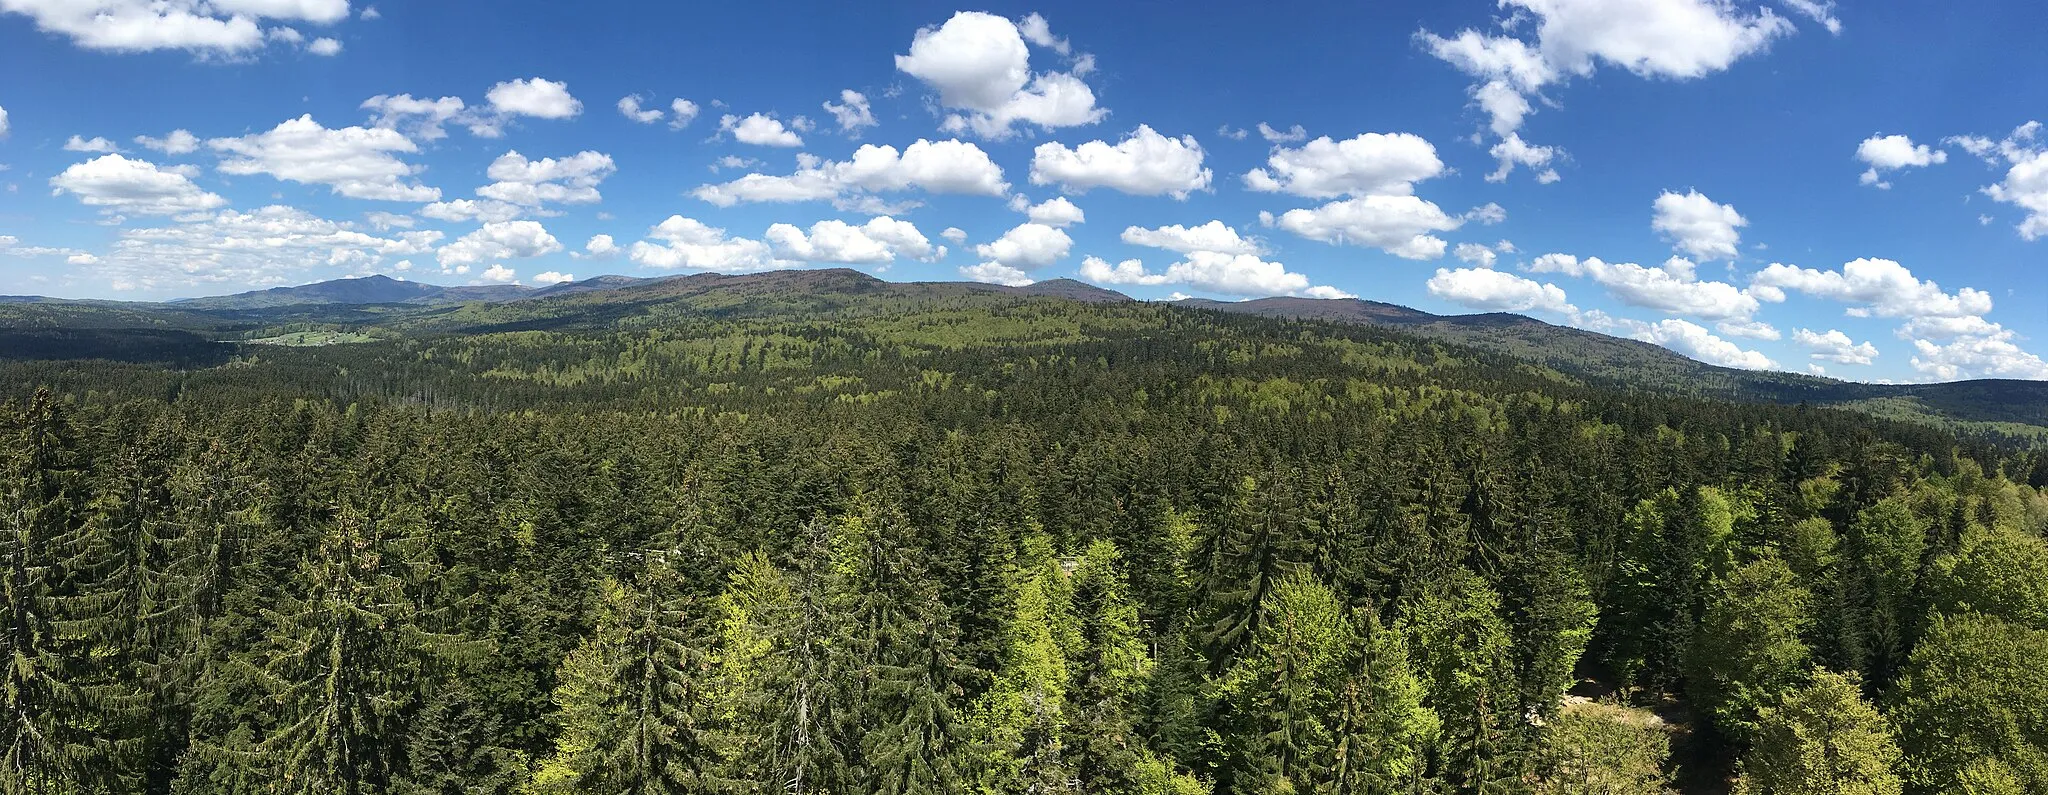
(605, 300)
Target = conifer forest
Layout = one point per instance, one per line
(800, 534)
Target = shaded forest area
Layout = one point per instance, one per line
(996, 545)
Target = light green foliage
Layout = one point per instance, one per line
(1598, 748)
(1975, 688)
(1749, 650)
(1460, 648)
(1283, 690)
(1822, 739)
(2000, 572)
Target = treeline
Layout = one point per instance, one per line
(905, 557)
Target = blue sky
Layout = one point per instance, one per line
(1786, 184)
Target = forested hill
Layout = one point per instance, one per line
(818, 533)
(41, 329)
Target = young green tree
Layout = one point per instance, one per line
(1282, 691)
(1975, 688)
(1599, 748)
(1822, 739)
(1749, 650)
(1383, 732)
(1019, 724)
(1461, 650)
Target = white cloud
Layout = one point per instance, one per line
(384, 221)
(2026, 180)
(1399, 225)
(931, 166)
(1693, 340)
(1130, 271)
(955, 234)
(979, 64)
(542, 99)
(1672, 288)
(133, 186)
(1542, 43)
(82, 258)
(268, 246)
(554, 277)
(1876, 286)
(759, 130)
(1369, 164)
(881, 240)
(600, 246)
(1498, 291)
(1213, 236)
(423, 117)
(681, 113)
(95, 145)
(629, 107)
(1751, 329)
(1892, 153)
(370, 13)
(996, 273)
(3, 121)
(1835, 346)
(1243, 275)
(1475, 254)
(460, 210)
(1056, 211)
(209, 28)
(500, 240)
(1234, 134)
(1291, 135)
(852, 111)
(1489, 214)
(532, 183)
(1026, 247)
(1994, 356)
(689, 243)
(1822, 11)
(1512, 151)
(1145, 163)
(356, 162)
(178, 142)
(1696, 225)
(326, 48)
(499, 274)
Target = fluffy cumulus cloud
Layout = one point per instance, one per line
(92, 145)
(955, 167)
(532, 183)
(1889, 153)
(1144, 163)
(553, 277)
(1834, 346)
(1398, 225)
(980, 66)
(1698, 226)
(357, 162)
(1696, 341)
(681, 243)
(1879, 287)
(1498, 291)
(462, 210)
(118, 184)
(629, 107)
(1990, 356)
(1027, 247)
(1056, 211)
(1287, 136)
(420, 117)
(1214, 258)
(760, 130)
(176, 142)
(1475, 254)
(1543, 43)
(851, 111)
(2026, 178)
(879, 241)
(499, 240)
(209, 28)
(1214, 236)
(541, 99)
(681, 113)
(1673, 287)
(1369, 164)
(268, 246)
